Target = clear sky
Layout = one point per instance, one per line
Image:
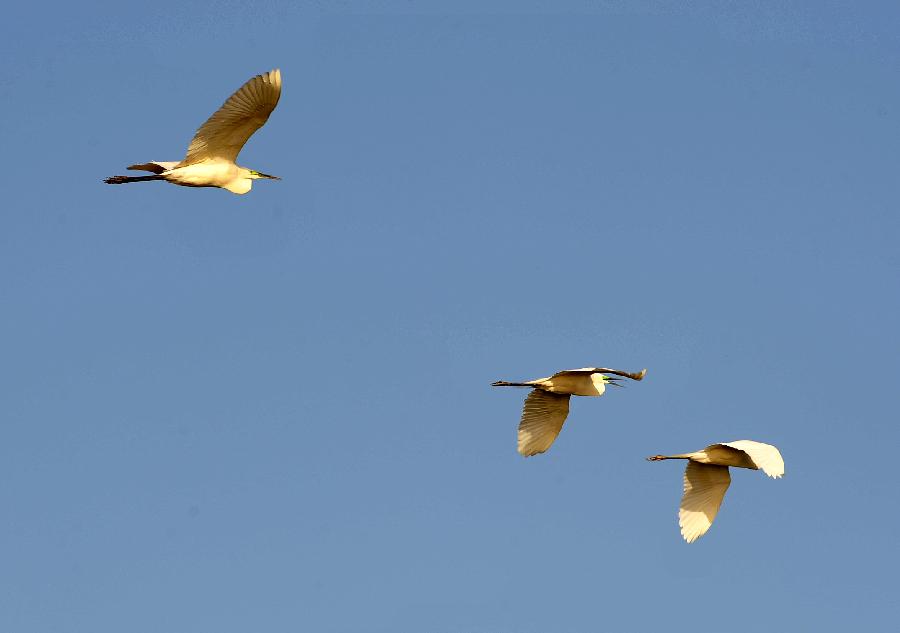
(273, 412)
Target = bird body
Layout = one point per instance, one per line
(572, 382)
(720, 455)
(547, 406)
(211, 173)
(211, 156)
(706, 479)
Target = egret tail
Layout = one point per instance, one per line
(121, 180)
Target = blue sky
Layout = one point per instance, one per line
(273, 412)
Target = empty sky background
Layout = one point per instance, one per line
(273, 412)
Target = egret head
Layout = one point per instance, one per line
(256, 175)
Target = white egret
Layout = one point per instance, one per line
(706, 479)
(211, 156)
(547, 406)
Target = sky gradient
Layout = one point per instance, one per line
(273, 412)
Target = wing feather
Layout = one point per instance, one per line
(704, 489)
(766, 457)
(542, 420)
(228, 129)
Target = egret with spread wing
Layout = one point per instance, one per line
(706, 479)
(547, 406)
(211, 156)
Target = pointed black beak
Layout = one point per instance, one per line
(268, 176)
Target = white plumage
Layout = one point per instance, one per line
(706, 479)
(211, 155)
(547, 406)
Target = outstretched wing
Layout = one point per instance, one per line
(225, 132)
(765, 456)
(704, 489)
(637, 375)
(542, 420)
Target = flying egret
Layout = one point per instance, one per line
(706, 479)
(210, 157)
(547, 406)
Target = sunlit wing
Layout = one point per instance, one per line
(766, 457)
(225, 132)
(542, 420)
(704, 489)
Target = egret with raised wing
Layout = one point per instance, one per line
(547, 406)
(706, 479)
(211, 156)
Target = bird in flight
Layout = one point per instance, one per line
(706, 479)
(547, 406)
(211, 156)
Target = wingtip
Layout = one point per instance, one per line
(688, 534)
(272, 77)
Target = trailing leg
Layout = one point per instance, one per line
(121, 180)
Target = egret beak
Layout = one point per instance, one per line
(261, 175)
(613, 381)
